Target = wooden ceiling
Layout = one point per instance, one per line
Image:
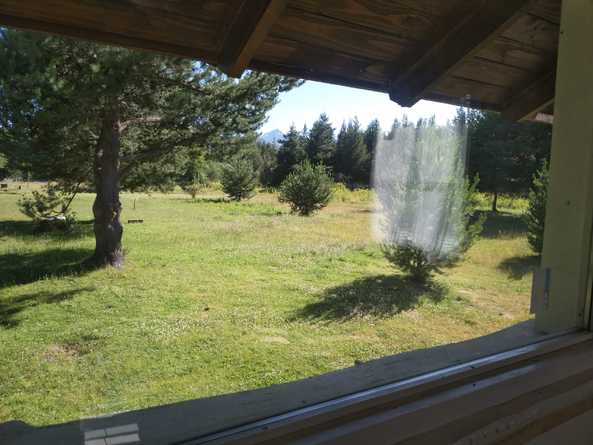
(500, 54)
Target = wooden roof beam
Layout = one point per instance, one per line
(252, 24)
(533, 99)
(489, 19)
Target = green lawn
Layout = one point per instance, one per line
(219, 297)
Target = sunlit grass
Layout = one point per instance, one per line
(218, 297)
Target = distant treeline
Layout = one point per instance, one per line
(503, 154)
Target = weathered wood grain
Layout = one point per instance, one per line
(488, 20)
(480, 93)
(249, 29)
(517, 54)
(546, 9)
(534, 32)
(108, 38)
(318, 30)
(495, 73)
(187, 24)
(414, 48)
(407, 19)
(285, 56)
(534, 98)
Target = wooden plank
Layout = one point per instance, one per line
(251, 26)
(517, 54)
(346, 38)
(536, 97)
(414, 20)
(108, 38)
(569, 215)
(458, 89)
(489, 19)
(493, 73)
(534, 32)
(546, 9)
(298, 72)
(193, 25)
(316, 63)
(460, 101)
(544, 117)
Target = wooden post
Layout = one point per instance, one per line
(569, 216)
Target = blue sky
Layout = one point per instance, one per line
(305, 104)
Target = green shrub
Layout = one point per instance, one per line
(194, 179)
(535, 215)
(49, 208)
(473, 224)
(411, 260)
(307, 188)
(239, 179)
(420, 264)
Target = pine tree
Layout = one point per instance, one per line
(535, 216)
(194, 178)
(239, 179)
(81, 111)
(307, 188)
(371, 137)
(351, 160)
(268, 156)
(291, 153)
(321, 145)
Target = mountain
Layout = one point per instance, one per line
(271, 137)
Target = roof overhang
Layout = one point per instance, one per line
(500, 55)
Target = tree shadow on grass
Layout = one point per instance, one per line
(503, 225)
(28, 267)
(11, 307)
(519, 266)
(380, 296)
(27, 229)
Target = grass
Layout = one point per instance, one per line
(219, 297)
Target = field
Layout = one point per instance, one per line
(219, 297)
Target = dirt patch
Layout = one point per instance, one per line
(71, 350)
(57, 353)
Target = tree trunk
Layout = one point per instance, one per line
(107, 207)
(495, 202)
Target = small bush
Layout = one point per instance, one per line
(239, 179)
(194, 179)
(535, 215)
(472, 223)
(307, 188)
(49, 208)
(411, 260)
(192, 188)
(418, 263)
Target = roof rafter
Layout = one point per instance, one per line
(248, 31)
(483, 24)
(530, 101)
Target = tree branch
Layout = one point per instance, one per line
(123, 126)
